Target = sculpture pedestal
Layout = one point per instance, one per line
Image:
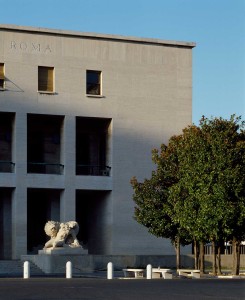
(53, 261)
(63, 251)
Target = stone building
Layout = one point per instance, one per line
(79, 116)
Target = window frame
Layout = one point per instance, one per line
(46, 80)
(97, 83)
(2, 76)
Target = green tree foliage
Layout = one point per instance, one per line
(198, 186)
(212, 181)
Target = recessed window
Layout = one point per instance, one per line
(2, 77)
(46, 79)
(92, 146)
(44, 144)
(93, 82)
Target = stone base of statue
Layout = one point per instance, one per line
(63, 251)
(53, 261)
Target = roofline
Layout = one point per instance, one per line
(77, 34)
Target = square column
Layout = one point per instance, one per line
(68, 205)
(19, 225)
(68, 196)
(19, 196)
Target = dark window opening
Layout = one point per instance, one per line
(91, 146)
(44, 144)
(43, 205)
(6, 132)
(91, 215)
(5, 223)
(93, 82)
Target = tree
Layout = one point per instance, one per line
(226, 142)
(211, 164)
(205, 197)
(184, 194)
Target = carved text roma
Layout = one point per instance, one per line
(29, 47)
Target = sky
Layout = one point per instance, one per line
(216, 26)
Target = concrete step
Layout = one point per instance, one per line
(15, 267)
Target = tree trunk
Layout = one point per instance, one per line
(201, 258)
(219, 259)
(177, 251)
(196, 254)
(214, 258)
(238, 257)
(236, 245)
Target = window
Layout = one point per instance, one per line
(92, 146)
(46, 79)
(2, 76)
(93, 82)
(44, 144)
(6, 135)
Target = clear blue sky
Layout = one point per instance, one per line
(217, 27)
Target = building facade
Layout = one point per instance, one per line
(79, 116)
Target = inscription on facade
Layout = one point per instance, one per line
(30, 47)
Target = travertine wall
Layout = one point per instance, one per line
(147, 92)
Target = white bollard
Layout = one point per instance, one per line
(68, 269)
(149, 272)
(26, 270)
(110, 270)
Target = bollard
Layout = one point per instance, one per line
(26, 270)
(110, 270)
(149, 272)
(68, 269)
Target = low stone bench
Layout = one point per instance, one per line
(137, 273)
(164, 273)
(189, 273)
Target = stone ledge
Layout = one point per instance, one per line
(63, 251)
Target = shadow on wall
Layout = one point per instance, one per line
(12, 87)
(128, 160)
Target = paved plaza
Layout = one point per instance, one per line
(117, 289)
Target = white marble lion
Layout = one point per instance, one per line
(62, 234)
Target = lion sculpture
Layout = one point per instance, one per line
(62, 234)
